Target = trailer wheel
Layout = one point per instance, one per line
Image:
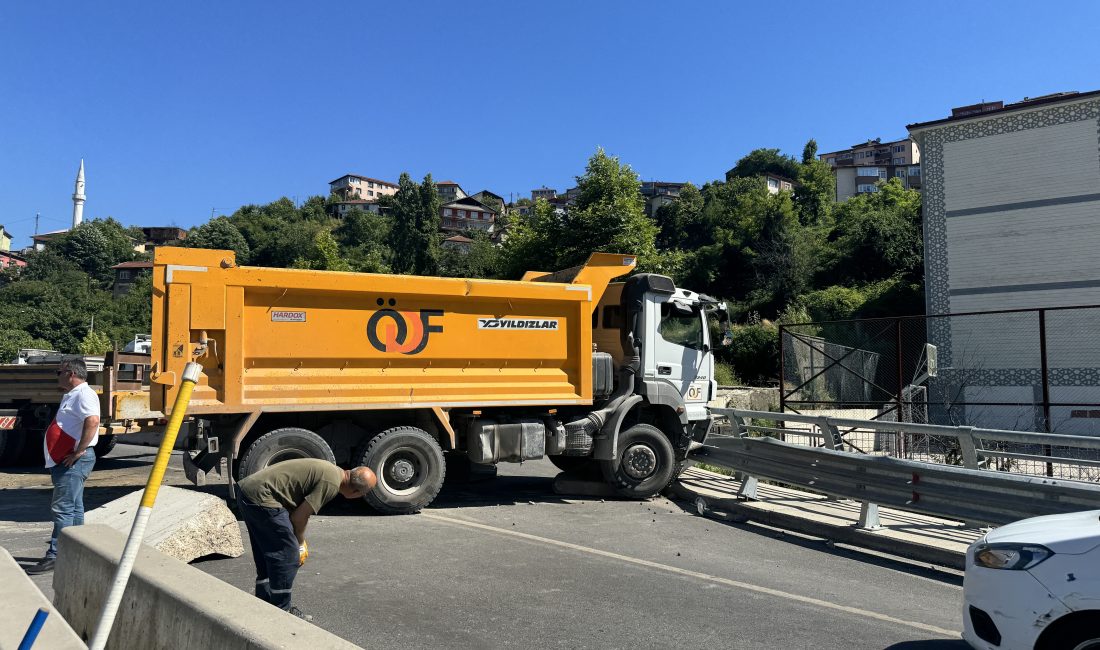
(283, 444)
(577, 465)
(646, 463)
(105, 445)
(410, 469)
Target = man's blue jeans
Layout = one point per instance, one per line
(67, 505)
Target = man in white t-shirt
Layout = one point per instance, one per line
(68, 450)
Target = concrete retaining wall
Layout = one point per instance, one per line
(169, 604)
(747, 398)
(20, 599)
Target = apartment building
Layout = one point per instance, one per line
(467, 213)
(777, 183)
(859, 168)
(449, 191)
(351, 186)
(543, 193)
(342, 208)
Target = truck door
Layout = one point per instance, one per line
(679, 351)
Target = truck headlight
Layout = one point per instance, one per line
(1014, 557)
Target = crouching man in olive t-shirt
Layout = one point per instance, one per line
(276, 502)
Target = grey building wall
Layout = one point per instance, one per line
(1012, 221)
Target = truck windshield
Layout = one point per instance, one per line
(681, 327)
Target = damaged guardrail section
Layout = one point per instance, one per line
(963, 493)
(169, 604)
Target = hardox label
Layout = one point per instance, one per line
(288, 317)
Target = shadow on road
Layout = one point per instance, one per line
(940, 644)
(33, 504)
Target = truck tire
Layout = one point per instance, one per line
(646, 463)
(577, 465)
(283, 444)
(105, 445)
(409, 464)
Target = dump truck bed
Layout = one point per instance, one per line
(291, 340)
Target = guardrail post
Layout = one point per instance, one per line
(833, 439)
(868, 516)
(968, 447)
(739, 423)
(748, 487)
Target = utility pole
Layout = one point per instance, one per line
(36, 215)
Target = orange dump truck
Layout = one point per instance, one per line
(393, 371)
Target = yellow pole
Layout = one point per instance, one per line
(141, 519)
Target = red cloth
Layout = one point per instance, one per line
(58, 443)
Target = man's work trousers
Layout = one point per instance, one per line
(274, 550)
(67, 504)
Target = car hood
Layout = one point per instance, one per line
(1071, 533)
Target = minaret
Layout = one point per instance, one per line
(78, 196)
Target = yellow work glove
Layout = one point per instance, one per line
(303, 553)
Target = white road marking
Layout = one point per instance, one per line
(698, 575)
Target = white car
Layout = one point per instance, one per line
(1035, 584)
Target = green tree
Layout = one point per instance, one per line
(13, 340)
(94, 343)
(764, 161)
(95, 246)
(324, 256)
(414, 234)
(815, 190)
(219, 234)
(481, 259)
(681, 222)
(877, 235)
(362, 237)
(608, 215)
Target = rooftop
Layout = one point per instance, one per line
(365, 178)
(133, 265)
(976, 110)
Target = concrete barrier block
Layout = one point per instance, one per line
(20, 600)
(169, 604)
(185, 524)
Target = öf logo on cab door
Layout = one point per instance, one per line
(389, 330)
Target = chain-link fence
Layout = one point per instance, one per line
(1021, 370)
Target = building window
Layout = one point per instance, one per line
(900, 173)
(772, 183)
(866, 187)
(123, 275)
(831, 161)
(898, 148)
(370, 184)
(370, 192)
(914, 171)
(446, 212)
(462, 213)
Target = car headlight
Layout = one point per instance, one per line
(1014, 557)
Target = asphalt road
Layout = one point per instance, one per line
(506, 563)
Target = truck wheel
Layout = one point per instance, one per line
(409, 464)
(105, 445)
(283, 444)
(577, 465)
(645, 465)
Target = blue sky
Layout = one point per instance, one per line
(186, 108)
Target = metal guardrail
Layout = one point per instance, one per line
(968, 494)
